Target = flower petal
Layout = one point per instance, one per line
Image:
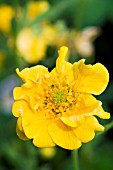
(64, 68)
(19, 107)
(36, 127)
(29, 93)
(85, 132)
(92, 122)
(20, 93)
(73, 120)
(63, 135)
(86, 105)
(90, 79)
(101, 113)
(19, 129)
(33, 73)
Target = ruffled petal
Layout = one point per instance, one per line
(90, 78)
(92, 123)
(63, 135)
(32, 95)
(84, 134)
(33, 73)
(101, 113)
(19, 130)
(36, 126)
(19, 107)
(73, 120)
(64, 68)
(86, 105)
(21, 93)
(86, 131)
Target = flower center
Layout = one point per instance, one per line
(59, 99)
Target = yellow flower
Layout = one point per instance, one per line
(79, 42)
(83, 41)
(36, 8)
(57, 107)
(51, 30)
(6, 15)
(48, 152)
(31, 47)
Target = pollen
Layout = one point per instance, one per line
(59, 99)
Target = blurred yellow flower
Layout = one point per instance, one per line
(57, 107)
(83, 41)
(49, 33)
(80, 42)
(36, 8)
(48, 152)
(6, 15)
(31, 47)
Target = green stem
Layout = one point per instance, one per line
(79, 14)
(75, 159)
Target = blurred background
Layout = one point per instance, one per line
(31, 32)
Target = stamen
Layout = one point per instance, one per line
(59, 99)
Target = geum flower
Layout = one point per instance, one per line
(6, 15)
(29, 44)
(80, 42)
(57, 107)
(35, 8)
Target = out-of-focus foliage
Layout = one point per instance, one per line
(65, 22)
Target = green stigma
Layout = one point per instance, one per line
(59, 97)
